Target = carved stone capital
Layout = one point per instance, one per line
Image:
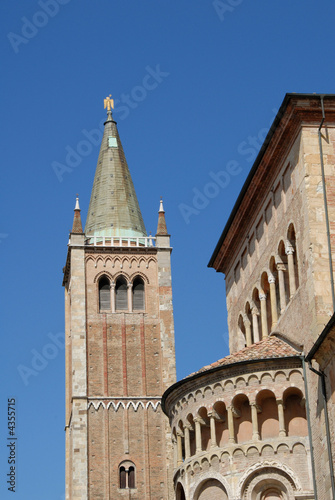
(255, 311)
(236, 413)
(258, 407)
(246, 320)
(262, 296)
(289, 250)
(199, 420)
(271, 278)
(212, 413)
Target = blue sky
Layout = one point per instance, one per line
(197, 84)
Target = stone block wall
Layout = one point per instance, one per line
(237, 468)
(293, 196)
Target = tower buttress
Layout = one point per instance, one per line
(75, 362)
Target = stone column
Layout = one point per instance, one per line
(291, 274)
(273, 299)
(248, 335)
(175, 452)
(255, 314)
(282, 430)
(231, 424)
(179, 448)
(212, 427)
(282, 295)
(187, 441)
(198, 445)
(130, 296)
(254, 420)
(264, 320)
(113, 296)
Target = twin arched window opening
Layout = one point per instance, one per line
(127, 476)
(121, 295)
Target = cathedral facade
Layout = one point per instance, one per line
(258, 424)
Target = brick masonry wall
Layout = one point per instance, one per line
(127, 361)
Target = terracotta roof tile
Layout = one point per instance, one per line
(270, 347)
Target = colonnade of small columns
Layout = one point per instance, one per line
(273, 295)
(129, 291)
(186, 431)
(129, 296)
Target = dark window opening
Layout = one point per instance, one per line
(123, 478)
(104, 294)
(138, 295)
(127, 476)
(121, 297)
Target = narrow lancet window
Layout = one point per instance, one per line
(131, 477)
(104, 294)
(138, 295)
(121, 296)
(123, 478)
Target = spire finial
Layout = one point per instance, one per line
(161, 208)
(109, 103)
(77, 202)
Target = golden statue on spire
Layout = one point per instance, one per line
(109, 103)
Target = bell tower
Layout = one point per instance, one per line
(119, 341)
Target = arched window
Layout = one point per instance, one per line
(138, 294)
(283, 276)
(295, 412)
(243, 423)
(180, 495)
(127, 475)
(292, 239)
(242, 340)
(104, 294)
(121, 295)
(274, 272)
(256, 316)
(123, 477)
(131, 477)
(267, 325)
(249, 317)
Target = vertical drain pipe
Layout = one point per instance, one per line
(326, 204)
(324, 397)
(309, 430)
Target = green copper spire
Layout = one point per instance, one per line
(114, 209)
